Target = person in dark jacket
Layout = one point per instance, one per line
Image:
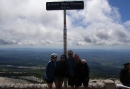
(81, 72)
(84, 73)
(50, 70)
(125, 75)
(60, 72)
(70, 62)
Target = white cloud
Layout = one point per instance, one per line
(26, 22)
(127, 25)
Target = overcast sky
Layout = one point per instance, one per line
(101, 24)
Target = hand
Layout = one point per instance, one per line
(83, 61)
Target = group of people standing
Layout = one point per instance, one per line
(75, 70)
(71, 67)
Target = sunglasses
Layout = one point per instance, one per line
(70, 54)
(54, 57)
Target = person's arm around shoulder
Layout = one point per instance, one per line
(83, 61)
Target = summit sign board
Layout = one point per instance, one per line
(65, 5)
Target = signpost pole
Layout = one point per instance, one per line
(65, 43)
(65, 5)
(65, 33)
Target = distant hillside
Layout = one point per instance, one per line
(102, 63)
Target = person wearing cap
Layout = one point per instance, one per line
(50, 70)
(60, 72)
(81, 72)
(125, 74)
(70, 62)
(84, 73)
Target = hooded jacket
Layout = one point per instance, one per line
(50, 70)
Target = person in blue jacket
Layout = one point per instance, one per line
(50, 70)
(70, 62)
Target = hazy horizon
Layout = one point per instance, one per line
(102, 62)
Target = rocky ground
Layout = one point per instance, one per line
(9, 83)
(10, 80)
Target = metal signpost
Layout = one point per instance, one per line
(65, 5)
